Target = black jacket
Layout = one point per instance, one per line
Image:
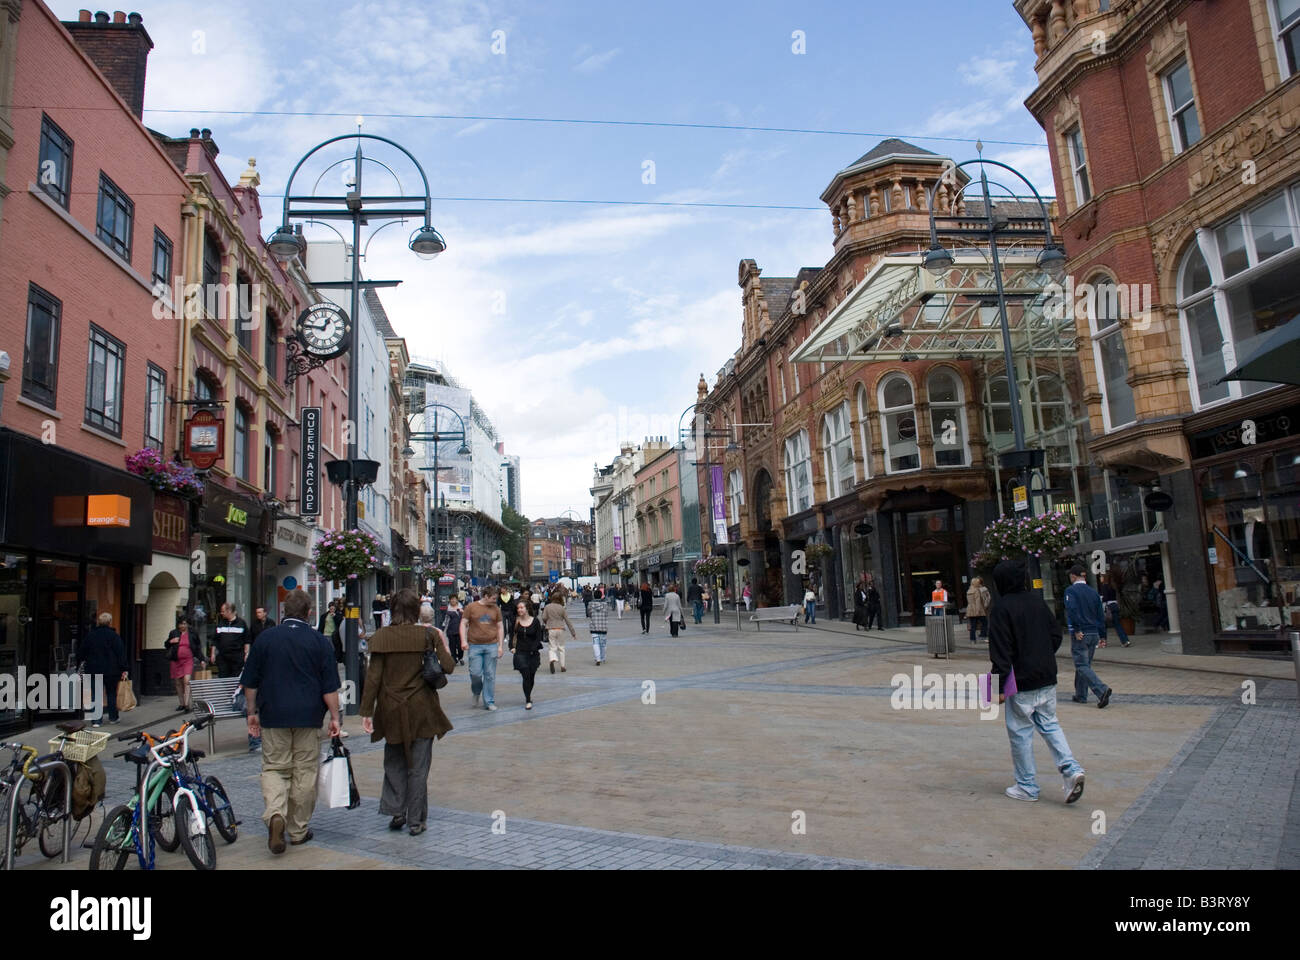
(646, 600)
(1023, 633)
(258, 626)
(231, 636)
(695, 593)
(102, 651)
(195, 650)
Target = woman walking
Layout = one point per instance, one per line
(526, 644)
(184, 653)
(398, 707)
(673, 610)
(978, 599)
(860, 604)
(645, 603)
(555, 619)
(873, 605)
(452, 627)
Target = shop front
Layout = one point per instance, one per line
(163, 587)
(234, 534)
(848, 531)
(74, 532)
(286, 564)
(798, 533)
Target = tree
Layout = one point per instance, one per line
(515, 542)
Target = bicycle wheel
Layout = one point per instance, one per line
(223, 814)
(113, 843)
(163, 820)
(52, 814)
(195, 836)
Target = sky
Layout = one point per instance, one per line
(582, 325)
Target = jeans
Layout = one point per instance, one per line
(645, 621)
(1025, 711)
(980, 624)
(1084, 677)
(598, 645)
(810, 611)
(699, 610)
(483, 671)
(1112, 609)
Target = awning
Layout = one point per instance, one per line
(901, 311)
(1129, 544)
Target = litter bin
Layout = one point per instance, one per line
(940, 629)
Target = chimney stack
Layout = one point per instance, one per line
(119, 48)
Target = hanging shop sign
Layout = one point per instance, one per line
(310, 505)
(1158, 501)
(205, 437)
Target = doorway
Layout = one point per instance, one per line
(931, 547)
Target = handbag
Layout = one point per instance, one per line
(431, 668)
(174, 651)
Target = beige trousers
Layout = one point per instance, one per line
(290, 766)
(555, 646)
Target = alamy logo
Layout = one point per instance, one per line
(943, 691)
(77, 914)
(60, 692)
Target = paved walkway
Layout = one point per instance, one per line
(742, 750)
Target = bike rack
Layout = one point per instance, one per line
(10, 822)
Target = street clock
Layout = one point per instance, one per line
(325, 330)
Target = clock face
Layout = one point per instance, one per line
(324, 330)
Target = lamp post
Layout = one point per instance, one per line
(1051, 259)
(287, 242)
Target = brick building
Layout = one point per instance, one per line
(563, 544)
(1173, 127)
(658, 518)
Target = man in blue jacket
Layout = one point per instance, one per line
(1085, 618)
(1023, 639)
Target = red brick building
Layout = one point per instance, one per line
(1174, 129)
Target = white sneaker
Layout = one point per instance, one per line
(1018, 793)
(1074, 787)
(476, 696)
(491, 706)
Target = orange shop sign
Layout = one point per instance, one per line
(108, 510)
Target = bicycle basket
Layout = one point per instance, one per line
(80, 746)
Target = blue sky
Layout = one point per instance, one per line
(578, 326)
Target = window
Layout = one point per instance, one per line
(55, 172)
(105, 381)
(537, 567)
(162, 261)
(780, 375)
(1109, 353)
(837, 449)
(1079, 164)
(1288, 34)
(41, 348)
(245, 313)
(537, 549)
(864, 432)
(947, 418)
(735, 495)
(654, 527)
(898, 413)
(1177, 81)
(268, 460)
(272, 344)
(114, 220)
(204, 388)
(1052, 418)
(241, 442)
(155, 409)
(1236, 284)
(668, 525)
(212, 275)
(798, 473)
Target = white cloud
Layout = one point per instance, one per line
(597, 61)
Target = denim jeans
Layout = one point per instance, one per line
(1084, 677)
(1025, 711)
(980, 625)
(1112, 609)
(699, 611)
(483, 671)
(810, 612)
(598, 645)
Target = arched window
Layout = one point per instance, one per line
(271, 439)
(998, 420)
(864, 431)
(242, 451)
(898, 412)
(947, 418)
(798, 473)
(837, 449)
(735, 494)
(1105, 310)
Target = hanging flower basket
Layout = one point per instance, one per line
(817, 552)
(711, 566)
(345, 554)
(1046, 537)
(165, 476)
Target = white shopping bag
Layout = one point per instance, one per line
(332, 784)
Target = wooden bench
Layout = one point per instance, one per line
(777, 615)
(215, 698)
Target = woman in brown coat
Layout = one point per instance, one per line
(398, 707)
(978, 599)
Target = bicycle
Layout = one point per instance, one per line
(188, 782)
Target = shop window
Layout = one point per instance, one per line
(898, 412)
(1236, 284)
(54, 173)
(947, 418)
(1109, 353)
(115, 217)
(41, 348)
(105, 381)
(155, 411)
(837, 451)
(1181, 103)
(798, 473)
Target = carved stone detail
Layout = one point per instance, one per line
(1250, 138)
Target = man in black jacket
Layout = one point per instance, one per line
(104, 654)
(1023, 639)
(260, 622)
(233, 640)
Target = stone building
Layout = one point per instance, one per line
(1173, 130)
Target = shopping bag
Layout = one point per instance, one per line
(336, 786)
(125, 697)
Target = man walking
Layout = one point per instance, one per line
(1085, 618)
(260, 622)
(292, 668)
(481, 627)
(598, 623)
(1110, 603)
(232, 642)
(586, 599)
(1023, 639)
(695, 594)
(104, 654)
(620, 598)
(555, 620)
